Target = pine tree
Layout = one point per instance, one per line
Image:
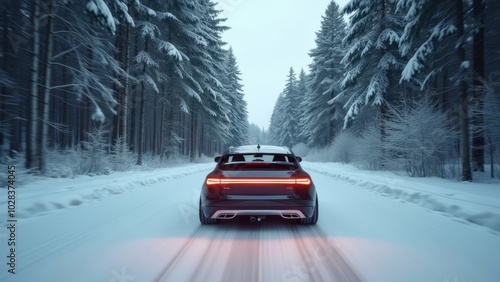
(105, 12)
(256, 135)
(278, 122)
(323, 82)
(195, 81)
(478, 141)
(284, 125)
(292, 102)
(302, 109)
(216, 106)
(238, 125)
(439, 20)
(147, 64)
(372, 60)
(165, 72)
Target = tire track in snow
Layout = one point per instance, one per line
(322, 259)
(213, 256)
(273, 250)
(243, 262)
(180, 253)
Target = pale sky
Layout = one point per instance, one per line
(268, 37)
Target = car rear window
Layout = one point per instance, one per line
(258, 161)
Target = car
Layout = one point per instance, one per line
(258, 181)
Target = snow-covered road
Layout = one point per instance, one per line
(143, 226)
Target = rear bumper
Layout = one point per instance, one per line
(230, 214)
(228, 209)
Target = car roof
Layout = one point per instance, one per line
(263, 149)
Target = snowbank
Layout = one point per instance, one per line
(477, 203)
(41, 196)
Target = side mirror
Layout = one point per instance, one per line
(217, 159)
(299, 159)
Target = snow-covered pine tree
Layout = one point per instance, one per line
(84, 66)
(373, 61)
(257, 135)
(158, 114)
(107, 12)
(238, 122)
(278, 122)
(71, 64)
(437, 21)
(302, 109)
(178, 29)
(152, 53)
(216, 107)
(194, 85)
(326, 72)
(284, 126)
(292, 102)
(121, 89)
(146, 76)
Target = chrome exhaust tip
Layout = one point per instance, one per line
(290, 215)
(226, 216)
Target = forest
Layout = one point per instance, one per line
(89, 87)
(100, 82)
(403, 85)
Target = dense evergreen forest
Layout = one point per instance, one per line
(407, 85)
(116, 78)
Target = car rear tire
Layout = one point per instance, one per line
(203, 218)
(314, 218)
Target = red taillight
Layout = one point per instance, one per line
(212, 181)
(264, 181)
(303, 181)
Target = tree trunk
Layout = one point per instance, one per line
(161, 128)
(84, 121)
(492, 161)
(122, 56)
(68, 140)
(133, 109)
(193, 133)
(464, 108)
(133, 105)
(9, 65)
(117, 91)
(140, 140)
(126, 62)
(44, 113)
(32, 122)
(182, 128)
(478, 80)
(383, 114)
